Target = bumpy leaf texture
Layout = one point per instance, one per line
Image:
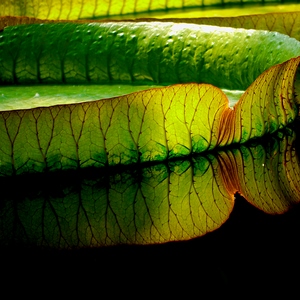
(139, 53)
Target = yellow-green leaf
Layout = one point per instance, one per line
(157, 204)
(57, 9)
(152, 125)
(267, 174)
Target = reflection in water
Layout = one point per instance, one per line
(160, 203)
(267, 176)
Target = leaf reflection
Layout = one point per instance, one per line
(267, 177)
(164, 202)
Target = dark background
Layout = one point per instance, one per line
(250, 249)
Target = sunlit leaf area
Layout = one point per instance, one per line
(155, 136)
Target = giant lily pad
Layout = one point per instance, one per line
(151, 125)
(160, 127)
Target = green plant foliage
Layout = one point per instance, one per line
(153, 125)
(139, 53)
(283, 22)
(286, 22)
(166, 202)
(71, 9)
(267, 180)
(147, 126)
(173, 199)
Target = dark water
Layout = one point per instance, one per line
(48, 222)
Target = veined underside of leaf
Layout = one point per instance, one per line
(153, 125)
(155, 206)
(166, 202)
(267, 176)
(147, 126)
(57, 9)
(269, 104)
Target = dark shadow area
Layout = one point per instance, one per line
(250, 249)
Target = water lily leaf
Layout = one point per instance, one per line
(139, 53)
(37, 95)
(56, 9)
(266, 175)
(283, 22)
(152, 125)
(176, 201)
(269, 104)
(151, 206)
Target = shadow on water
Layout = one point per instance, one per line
(167, 219)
